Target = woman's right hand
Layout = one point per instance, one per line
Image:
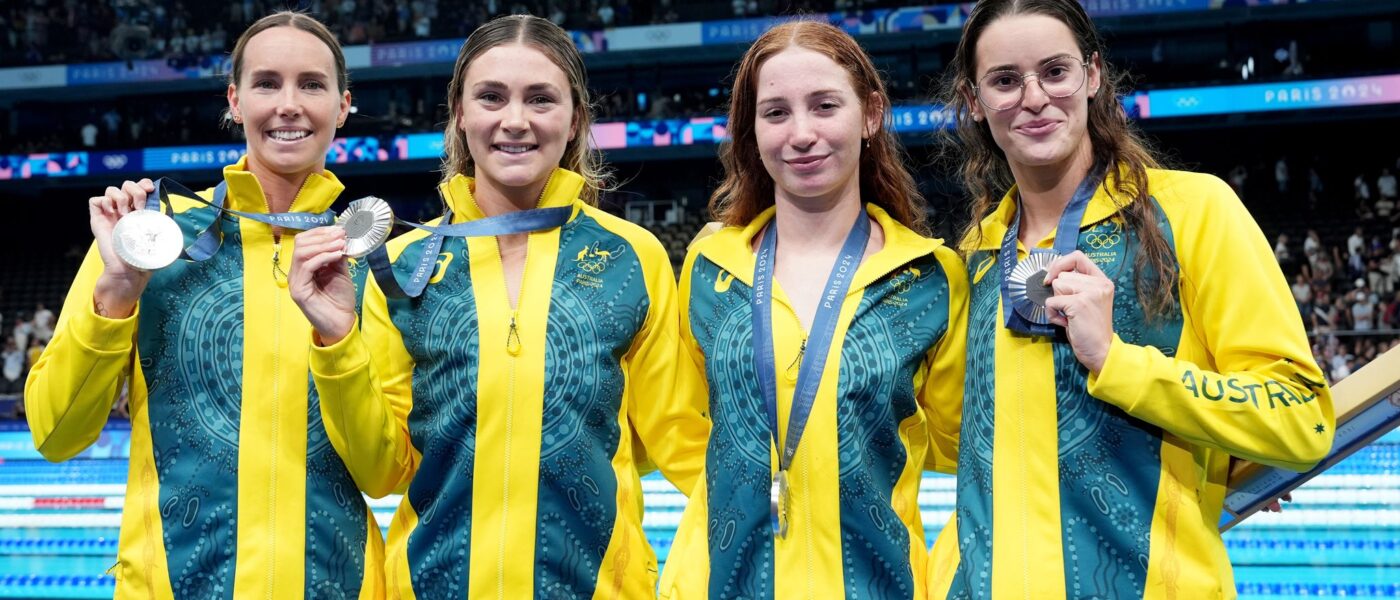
(320, 283)
(120, 285)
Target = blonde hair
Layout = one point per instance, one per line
(554, 43)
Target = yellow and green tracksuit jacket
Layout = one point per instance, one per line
(234, 489)
(517, 436)
(1080, 485)
(887, 406)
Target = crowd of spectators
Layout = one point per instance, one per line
(1346, 283)
(77, 31)
(25, 338)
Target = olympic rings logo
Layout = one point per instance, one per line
(1099, 241)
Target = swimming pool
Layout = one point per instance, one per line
(59, 524)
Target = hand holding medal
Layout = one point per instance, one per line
(1083, 304)
(121, 284)
(320, 277)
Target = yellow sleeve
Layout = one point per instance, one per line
(667, 414)
(71, 388)
(366, 386)
(941, 395)
(1257, 394)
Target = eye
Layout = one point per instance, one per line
(264, 84)
(1058, 71)
(314, 85)
(542, 99)
(828, 105)
(774, 113)
(1003, 80)
(489, 97)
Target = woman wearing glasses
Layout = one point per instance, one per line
(1129, 332)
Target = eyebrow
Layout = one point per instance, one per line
(814, 94)
(274, 73)
(1009, 67)
(534, 87)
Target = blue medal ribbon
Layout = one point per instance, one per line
(207, 243)
(525, 221)
(813, 361)
(1066, 242)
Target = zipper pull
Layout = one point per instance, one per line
(513, 337)
(796, 365)
(278, 275)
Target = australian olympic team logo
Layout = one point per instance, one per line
(592, 260)
(1106, 235)
(902, 282)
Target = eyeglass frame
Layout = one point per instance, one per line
(976, 89)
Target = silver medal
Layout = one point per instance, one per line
(147, 240)
(367, 223)
(780, 502)
(1028, 289)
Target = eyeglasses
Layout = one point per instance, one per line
(1003, 90)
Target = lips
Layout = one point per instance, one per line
(514, 148)
(806, 163)
(288, 135)
(1038, 127)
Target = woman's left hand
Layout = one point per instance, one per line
(1083, 305)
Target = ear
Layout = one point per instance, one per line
(233, 112)
(344, 109)
(974, 107)
(1095, 74)
(874, 115)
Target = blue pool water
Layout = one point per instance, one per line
(1338, 539)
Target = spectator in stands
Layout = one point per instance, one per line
(221, 394)
(811, 159)
(599, 291)
(1302, 290)
(1363, 308)
(1283, 254)
(12, 367)
(22, 330)
(1386, 188)
(43, 323)
(1281, 176)
(1052, 166)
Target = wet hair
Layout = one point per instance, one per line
(554, 43)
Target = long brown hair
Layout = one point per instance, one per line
(1115, 142)
(747, 189)
(554, 43)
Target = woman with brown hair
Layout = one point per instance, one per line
(1129, 332)
(828, 394)
(515, 401)
(234, 490)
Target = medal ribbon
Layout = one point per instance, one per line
(207, 243)
(809, 374)
(525, 221)
(1066, 242)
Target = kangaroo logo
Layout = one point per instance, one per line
(904, 281)
(593, 259)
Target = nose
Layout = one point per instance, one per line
(289, 104)
(1033, 97)
(803, 133)
(513, 120)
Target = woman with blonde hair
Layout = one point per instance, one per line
(234, 490)
(516, 400)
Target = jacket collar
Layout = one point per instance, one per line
(732, 248)
(993, 228)
(245, 193)
(562, 189)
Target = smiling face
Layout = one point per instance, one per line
(288, 102)
(810, 125)
(1040, 131)
(517, 116)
